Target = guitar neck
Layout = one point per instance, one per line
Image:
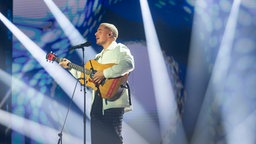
(71, 65)
(76, 67)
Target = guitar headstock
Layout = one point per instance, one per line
(51, 57)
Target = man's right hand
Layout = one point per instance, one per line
(64, 63)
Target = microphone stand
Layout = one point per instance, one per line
(60, 138)
(84, 98)
(84, 118)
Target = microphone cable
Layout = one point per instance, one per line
(60, 134)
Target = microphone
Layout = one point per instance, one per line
(86, 44)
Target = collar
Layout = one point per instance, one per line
(111, 46)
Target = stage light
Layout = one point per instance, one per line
(40, 55)
(164, 95)
(228, 112)
(28, 100)
(33, 130)
(68, 28)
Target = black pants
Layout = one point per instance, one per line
(106, 128)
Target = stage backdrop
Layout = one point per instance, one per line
(42, 91)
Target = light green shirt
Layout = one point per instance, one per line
(120, 55)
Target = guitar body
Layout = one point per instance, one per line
(109, 88)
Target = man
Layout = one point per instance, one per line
(107, 115)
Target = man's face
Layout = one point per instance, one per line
(102, 35)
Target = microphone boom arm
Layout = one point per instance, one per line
(86, 44)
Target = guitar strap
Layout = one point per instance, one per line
(129, 92)
(91, 66)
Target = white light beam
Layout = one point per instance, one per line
(71, 32)
(165, 98)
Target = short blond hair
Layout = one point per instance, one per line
(112, 28)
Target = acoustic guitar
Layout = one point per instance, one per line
(109, 89)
